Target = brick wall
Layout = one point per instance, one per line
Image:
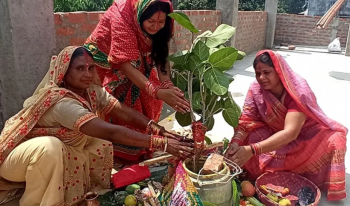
(301, 30)
(251, 30)
(203, 20)
(73, 28)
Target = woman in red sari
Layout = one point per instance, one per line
(282, 128)
(130, 49)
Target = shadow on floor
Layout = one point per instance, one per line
(340, 75)
(166, 112)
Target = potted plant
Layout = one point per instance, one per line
(201, 74)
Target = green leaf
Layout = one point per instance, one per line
(210, 123)
(184, 21)
(196, 65)
(223, 59)
(195, 86)
(200, 70)
(179, 57)
(194, 62)
(208, 204)
(196, 101)
(179, 82)
(205, 34)
(241, 55)
(231, 117)
(183, 119)
(186, 95)
(226, 143)
(235, 194)
(219, 106)
(208, 140)
(223, 33)
(232, 111)
(201, 50)
(209, 97)
(216, 81)
(231, 104)
(212, 50)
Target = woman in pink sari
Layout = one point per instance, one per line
(282, 128)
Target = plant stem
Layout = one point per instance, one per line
(189, 84)
(203, 97)
(212, 110)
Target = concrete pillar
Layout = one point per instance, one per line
(271, 8)
(229, 14)
(27, 41)
(347, 50)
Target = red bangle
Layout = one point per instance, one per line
(256, 149)
(151, 89)
(252, 148)
(166, 84)
(238, 141)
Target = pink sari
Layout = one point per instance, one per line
(319, 151)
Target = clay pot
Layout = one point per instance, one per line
(91, 199)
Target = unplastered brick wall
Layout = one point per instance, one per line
(72, 28)
(302, 30)
(251, 30)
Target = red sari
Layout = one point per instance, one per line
(319, 151)
(118, 38)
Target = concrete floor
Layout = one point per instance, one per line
(327, 74)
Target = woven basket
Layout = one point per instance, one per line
(285, 179)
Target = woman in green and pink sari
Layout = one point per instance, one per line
(282, 128)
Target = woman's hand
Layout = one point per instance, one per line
(231, 150)
(174, 97)
(242, 155)
(171, 135)
(182, 150)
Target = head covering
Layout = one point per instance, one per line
(54, 77)
(128, 39)
(46, 95)
(255, 107)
